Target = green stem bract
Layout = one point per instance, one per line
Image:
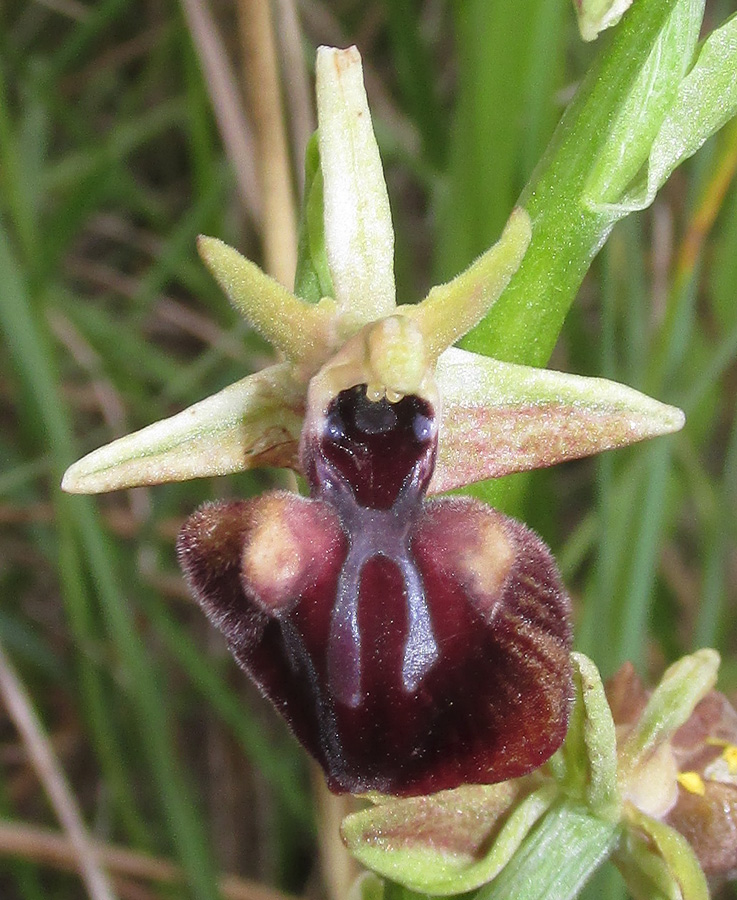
(556, 859)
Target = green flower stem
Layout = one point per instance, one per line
(567, 233)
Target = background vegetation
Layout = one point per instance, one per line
(111, 162)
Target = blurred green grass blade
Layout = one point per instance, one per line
(722, 285)
(630, 488)
(184, 824)
(416, 78)
(24, 644)
(95, 694)
(721, 357)
(616, 622)
(598, 600)
(24, 873)
(600, 620)
(122, 140)
(635, 603)
(32, 357)
(101, 185)
(578, 546)
(542, 78)
(180, 242)
(12, 181)
(710, 630)
(498, 71)
(117, 342)
(17, 476)
(201, 132)
(33, 360)
(637, 343)
(101, 15)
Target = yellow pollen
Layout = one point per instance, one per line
(729, 753)
(692, 782)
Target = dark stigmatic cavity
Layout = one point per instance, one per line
(373, 447)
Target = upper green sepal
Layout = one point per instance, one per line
(359, 237)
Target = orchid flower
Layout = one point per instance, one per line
(412, 645)
(646, 778)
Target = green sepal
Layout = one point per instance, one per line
(586, 764)
(450, 842)
(312, 280)
(666, 861)
(671, 703)
(498, 418)
(359, 235)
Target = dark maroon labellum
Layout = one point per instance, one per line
(411, 645)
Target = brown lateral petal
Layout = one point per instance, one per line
(695, 744)
(626, 694)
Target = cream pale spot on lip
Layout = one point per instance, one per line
(272, 562)
(486, 564)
